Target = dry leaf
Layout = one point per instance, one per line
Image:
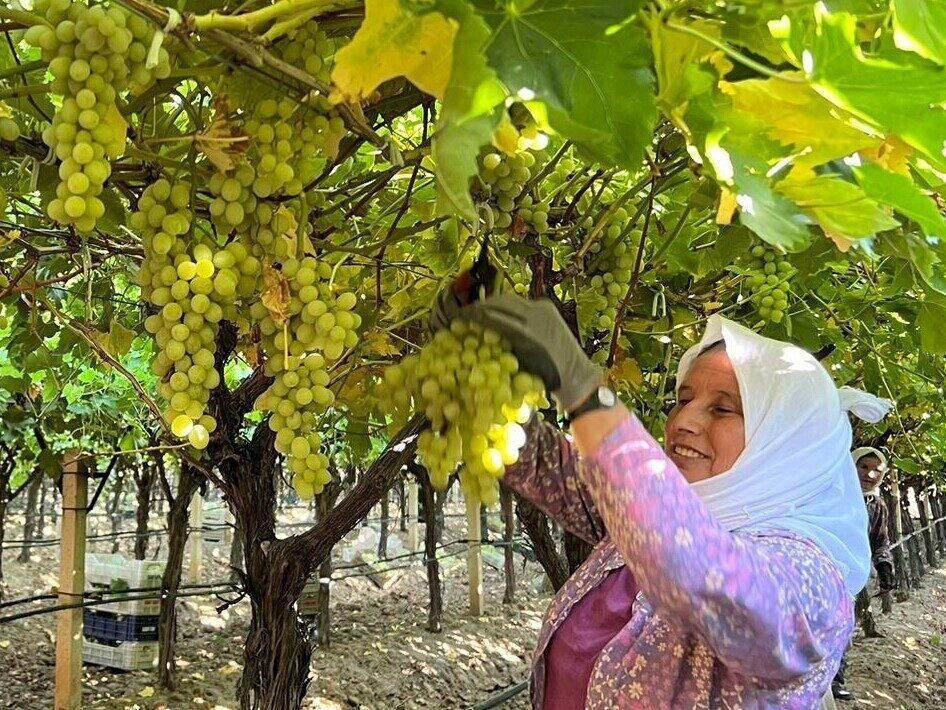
(380, 343)
(284, 215)
(727, 206)
(222, 142)
(146, 692)
(840, 241)
(5, 643)
(276, 296)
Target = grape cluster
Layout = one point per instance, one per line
(768, 282)
(504, 176)
(609, 262)
(93, 54)
(470, 387)
(194, 288)
(302, 334)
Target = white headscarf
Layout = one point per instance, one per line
(796, 472)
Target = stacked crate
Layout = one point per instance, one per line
(123, 633)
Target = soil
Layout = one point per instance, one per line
(381, 656)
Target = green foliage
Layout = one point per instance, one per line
(667, 139)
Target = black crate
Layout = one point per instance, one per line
(106, 626)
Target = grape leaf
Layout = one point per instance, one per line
(840, 207)
(900, 98)
(930, 322)
(469, 112)
(393, 41)
(795, 115)
(921, 27)
(586, 64)
(901, 193)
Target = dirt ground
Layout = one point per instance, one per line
(382, 657)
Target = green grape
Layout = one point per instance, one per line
(298, 354)
(175, 277)
(90, 70)
(468, 384)
(768, 282)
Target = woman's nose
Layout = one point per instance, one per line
(688, 420)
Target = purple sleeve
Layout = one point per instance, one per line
(771, 607)
(547, 474)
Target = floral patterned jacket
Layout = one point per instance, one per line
(723, 620)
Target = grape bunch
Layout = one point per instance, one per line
(609, 262)
(768, 282)
(468, 384)
(93, 54)
(302, 334)
(503, 177)
(193, 287)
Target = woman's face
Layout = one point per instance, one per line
(870, 471)
(705, 431)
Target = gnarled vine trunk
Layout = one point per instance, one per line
(178, 505)
(144, 481)
(30, 514)
(536, 525)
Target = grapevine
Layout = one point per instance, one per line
(469, 385)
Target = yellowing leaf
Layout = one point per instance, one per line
(796, 115)
(674, 51)
(119, 125)
(839, 206)
(626, 371)
(5, 111)
(727, 206)
(222, 142)
(5, 643)
(276, 296)
(892, 154)
(146, 692)
(290, 235)
(395, 41)
(841, 242)
(117, 341)
(380, 343)
(506, 136)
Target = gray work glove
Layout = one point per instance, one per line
(540, 340)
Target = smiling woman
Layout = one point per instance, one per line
(725, 566)
(705, 430)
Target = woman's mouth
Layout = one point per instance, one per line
(686, 452)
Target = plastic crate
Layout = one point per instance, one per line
(106, 626)
(112, 573)
(127, 656)
(215, 518)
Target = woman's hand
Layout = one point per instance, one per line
(539, 337)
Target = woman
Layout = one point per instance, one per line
(726, 562)
(871, 466)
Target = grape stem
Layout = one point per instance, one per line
(736, 55)
(25, 90)
(17, 69)
(27, 19)
(635, 276)
(249, 21)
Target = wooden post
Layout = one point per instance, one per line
(509, 562)
(926, 521)
(196, 522)
(75, 495)
(474, 557)
(412, 516)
